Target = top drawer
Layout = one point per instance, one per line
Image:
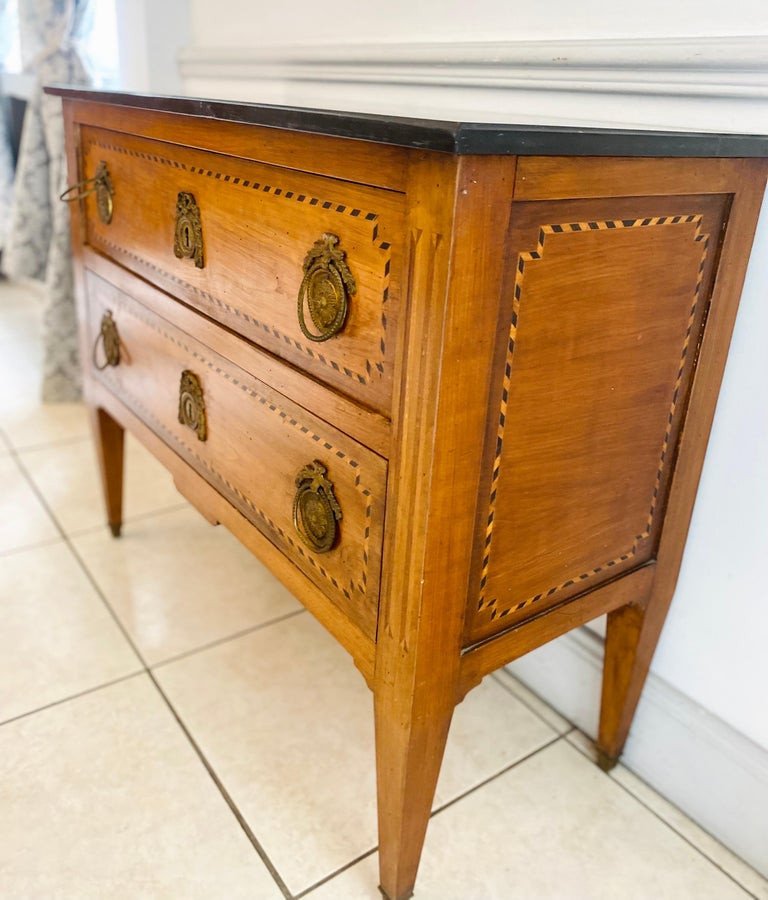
(246, 244)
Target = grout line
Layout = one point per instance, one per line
(47, 542)
(581, 750)
(129, 520)
(517, 762)
(79, 560)
(436, 811)
(504, 683)
(90, 690)
(212, 774)
(682, 836)
(201, 756)
(580, 747)
(224, 793)
(14, 453)
(335, 873)
(46, 445)
(227, 638)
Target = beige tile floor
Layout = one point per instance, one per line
(173, 725)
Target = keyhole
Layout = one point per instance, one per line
(190, 413)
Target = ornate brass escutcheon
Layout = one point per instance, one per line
(188, 239)
(326, 287)
(192, 404)
(315, 510)
(110, 341)
(101, 185)
(104, 193)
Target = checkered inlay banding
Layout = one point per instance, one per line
(357, 585)
(372, 368)
(488, 606)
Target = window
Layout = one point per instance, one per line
(97, 42)
(99, 45)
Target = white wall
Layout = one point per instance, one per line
(150, 35)
(713, 647)
(242, 23)
(714, 644)
(653, 64)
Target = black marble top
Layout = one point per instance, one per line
(448, 137)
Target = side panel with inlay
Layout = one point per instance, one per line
(604, 306)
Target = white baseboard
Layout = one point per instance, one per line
(701, 764)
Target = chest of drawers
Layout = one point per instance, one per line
(451, 383)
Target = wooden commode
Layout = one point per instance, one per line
(451, 383)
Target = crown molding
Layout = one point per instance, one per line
(719, 67)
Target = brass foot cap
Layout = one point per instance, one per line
(387, 896)
(115, 527)
(605, 761)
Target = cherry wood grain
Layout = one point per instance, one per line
(564, 178)
(108, 437)
(361, 162)
(365, 425)
(217, 509)
(621, 668)
(632, 637)
(256, 443)
(492, 653)
(605, 302)
(409, 740)
(457, 252)
(77, 233)
(258, 223)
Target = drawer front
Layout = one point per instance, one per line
(313, 491)
(245, 243)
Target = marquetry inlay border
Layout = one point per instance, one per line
(373, 368)
(489, 605)
(147, 415)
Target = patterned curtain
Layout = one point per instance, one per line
(6, 178)
(6, 157)
(37, 244)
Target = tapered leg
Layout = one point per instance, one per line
(108, 436)
(410, 740)
(631, 638)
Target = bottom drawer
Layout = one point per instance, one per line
(312, 490)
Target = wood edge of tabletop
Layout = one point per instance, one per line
(458, 138)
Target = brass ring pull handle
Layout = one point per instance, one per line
(192, 405)
(188, 237)
(315, 510)
(101, 185)
(326, 287)
(110, 340)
